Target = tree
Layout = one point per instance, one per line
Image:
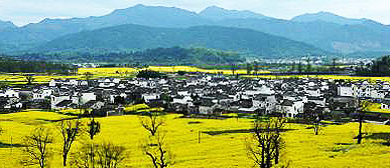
(316, 124)
(155, 147)
(249, 68)
(234, 68)
(334, 63)
(265, 144)
(363, 106)
(155, 150)
(109, 155)
(93, 128)
(292, 67)
(88, 76)
(36, 147)
(29, 79)
(300, 67)
(308, 67)
(256, 67)
(152, 122)
(105, 155)
(69, 131)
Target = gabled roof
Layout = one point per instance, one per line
(287, 103)
(64, 103)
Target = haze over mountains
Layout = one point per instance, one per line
(222, 38)
(322, 32)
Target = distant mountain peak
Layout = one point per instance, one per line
(6, 25)
(327, 17)
(218, 13)
(214, 8)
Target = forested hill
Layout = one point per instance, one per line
(157, 56)
(143, 37)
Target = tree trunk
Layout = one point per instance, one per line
(316, 129)
(360, 136)
(65, 156)
(276, 152)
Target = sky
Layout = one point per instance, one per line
(22, 12)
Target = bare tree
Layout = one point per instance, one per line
(110, 155)
(69, 131)
(155, 149)
(36, 147)
(152, 122)
(265, 144)
(106, 155)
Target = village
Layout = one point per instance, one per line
(204, 95)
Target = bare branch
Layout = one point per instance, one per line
(36, 147)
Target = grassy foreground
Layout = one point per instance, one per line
(334, 147)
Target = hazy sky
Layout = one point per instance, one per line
(22, 12)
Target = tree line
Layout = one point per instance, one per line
(378, 67)
(155, 56)
(9, 65)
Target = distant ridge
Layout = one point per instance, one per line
(142, 37)
(323, 30)
(6, 25)
(217, 13)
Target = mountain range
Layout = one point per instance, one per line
(324, 32)
(143, 37)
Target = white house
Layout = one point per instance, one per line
(291, 108)
(9, 93)
(42, 93)
(150, 96)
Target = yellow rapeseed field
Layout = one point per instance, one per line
(168, 69)
(345, 77)
(334, 147)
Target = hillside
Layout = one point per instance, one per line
(156, 56)
(222, 38)
(324, 30)
(217, 13)
(6, 25)
(333, 37)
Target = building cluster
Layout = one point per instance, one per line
(201, 94)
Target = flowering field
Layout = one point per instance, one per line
(169, 69)
(333, 147)
(345, 77)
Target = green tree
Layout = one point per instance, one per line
(249, 68)
(308, 66)
(29, 79)
(300, 67)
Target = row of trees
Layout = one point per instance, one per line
(378, 67)
(162, 56)
(38, 152)
(16, 66)
(105, 155)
